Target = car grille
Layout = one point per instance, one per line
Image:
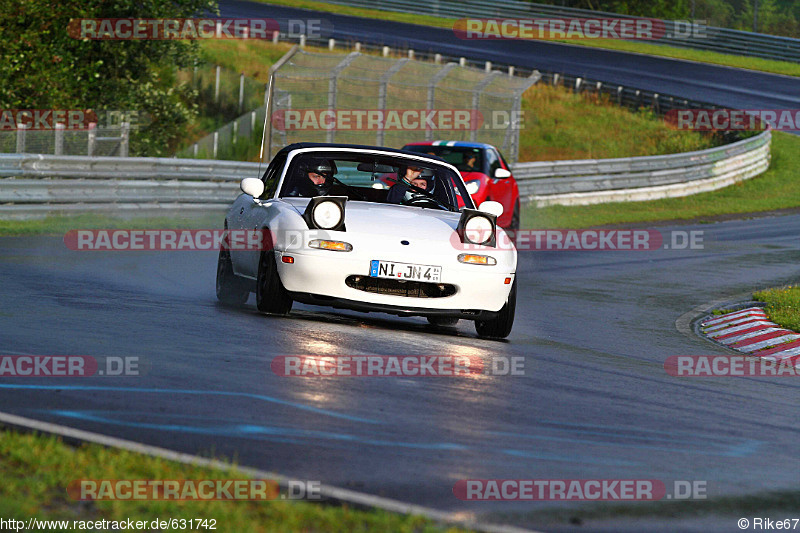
(413, 289)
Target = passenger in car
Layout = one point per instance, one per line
(399, 191)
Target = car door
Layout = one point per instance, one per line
(500, 190)
(252, 217)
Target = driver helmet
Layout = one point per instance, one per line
(326, 169)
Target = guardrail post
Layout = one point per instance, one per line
(619, 95)
(555, 79)
(511, 71)
(21, 138)
(195, 149)
(276, 35)
(216, 86)
(241, 92)
(578, 85)
(91, 139)
(357, 47)
(385, 51)
(216, 144)
(437, 58)
(303, 40)
(411, 53)
(462, 61)
(124, 139)
(59, 139)
(656, 106)
(488, 66)
(331, 44)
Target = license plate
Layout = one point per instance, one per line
(404, 271)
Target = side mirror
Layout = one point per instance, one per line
(491, 207)
(252, 186)
(502, 173)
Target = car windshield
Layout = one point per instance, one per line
(464, 158)
(374, 178)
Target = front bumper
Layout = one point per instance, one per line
(318, 278)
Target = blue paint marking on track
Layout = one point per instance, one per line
(193, 392)
(252, 430)
(571, 458)
(741, 448)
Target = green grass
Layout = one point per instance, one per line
(783, 305)
(558, 124)
(54, 225)
(778, 188)
(753, 63)
(36, 471)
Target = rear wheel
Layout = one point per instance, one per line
(271, 296)
(442, 321)
(231, 289)
(500, 326)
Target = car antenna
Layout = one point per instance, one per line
(267, 107)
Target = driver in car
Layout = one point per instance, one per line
(316, 179)
(400, 193)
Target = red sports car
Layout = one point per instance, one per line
(485, 172)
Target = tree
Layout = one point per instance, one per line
(43, 67)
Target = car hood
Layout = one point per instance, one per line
(396, 220)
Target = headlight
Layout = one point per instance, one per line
(327, 215)
(326, 212)
(479, 229)
(473, 186)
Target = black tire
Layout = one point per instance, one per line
(231, 289)
(515, 217)
(271, 296)
(443, 321)
(500, 326)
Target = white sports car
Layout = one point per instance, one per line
(337, 235)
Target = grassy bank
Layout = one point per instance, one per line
(783, 306)
(36, 471)
(753, 63)
(776, 189)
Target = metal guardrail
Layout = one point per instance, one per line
(712, 38)
(642, 178)
(70, 184)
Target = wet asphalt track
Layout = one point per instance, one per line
(594, 329)
(734, 88)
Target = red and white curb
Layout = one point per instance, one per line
(751, 332)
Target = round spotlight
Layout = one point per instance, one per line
(327, 215)
(478, 229)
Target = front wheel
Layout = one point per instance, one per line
(271, 296)
(231, 289)
(500, 326)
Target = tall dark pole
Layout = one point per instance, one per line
(755, 15)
